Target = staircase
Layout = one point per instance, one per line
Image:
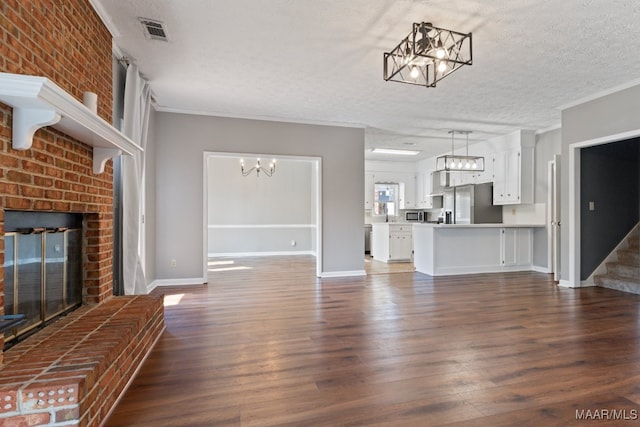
(624, 274)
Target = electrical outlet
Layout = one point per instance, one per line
(174, 263)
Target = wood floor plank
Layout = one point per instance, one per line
(267, 343)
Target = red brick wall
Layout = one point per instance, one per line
(65, 41)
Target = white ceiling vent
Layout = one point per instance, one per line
(153, 30)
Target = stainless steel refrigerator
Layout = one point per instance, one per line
(472, 204)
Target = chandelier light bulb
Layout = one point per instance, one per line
(460, 164)
(442, 66)
(414, 72)
(440, 53)
(258, 168)
(475, 165)
(452, 164)
(467, 165)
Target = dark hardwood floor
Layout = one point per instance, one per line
(266, 343)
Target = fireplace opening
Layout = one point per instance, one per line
(42, 268)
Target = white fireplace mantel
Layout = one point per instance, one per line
(38, 102)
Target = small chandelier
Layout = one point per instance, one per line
(455, 163)
(258, 168)
(427, 55)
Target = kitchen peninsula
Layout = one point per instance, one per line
(445, 249)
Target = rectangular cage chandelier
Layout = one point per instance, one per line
(427, 55)
(459, 163)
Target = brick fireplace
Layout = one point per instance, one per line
(66, 42)
(56, 176)
(73, 371)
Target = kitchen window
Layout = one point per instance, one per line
(386, 199)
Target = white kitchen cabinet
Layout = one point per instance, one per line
(462, 178)
(506, 177)
(420, 190)
(513, 173)
(369, 180)
(439, 181)
(425, 190)
(400, 247)
(392, 242)
(407, 191)
(423, 186)
(516, 247)
(487, 174)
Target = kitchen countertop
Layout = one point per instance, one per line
(426, 224)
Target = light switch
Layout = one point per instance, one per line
(592, 206)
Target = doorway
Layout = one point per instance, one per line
(574, 240)
(259, 213)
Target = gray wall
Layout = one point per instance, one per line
(182, 140)
(150, 201)
(609, 115)
(548, 145)
(261, 214)
(610, 177)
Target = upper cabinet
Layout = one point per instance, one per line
(369, 180)
(428, 184)
(408, 191)
(423, 190)
(513, 170)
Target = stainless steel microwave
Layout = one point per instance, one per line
(414, 216)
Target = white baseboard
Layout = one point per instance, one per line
(244, 254)
(582, 284)
(456, 271)
(566, 284)
(540, 269)
(328, 274)
(175, 282)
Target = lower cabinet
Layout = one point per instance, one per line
(400, 247)
(516, 246)
(392, 242)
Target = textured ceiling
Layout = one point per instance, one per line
(320, 61)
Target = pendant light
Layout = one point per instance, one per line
(454, 163)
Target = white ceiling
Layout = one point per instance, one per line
(320, 61)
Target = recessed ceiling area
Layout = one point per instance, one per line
(321, 62)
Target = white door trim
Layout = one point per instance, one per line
(317, 162)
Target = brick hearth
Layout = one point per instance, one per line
(76, 369)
